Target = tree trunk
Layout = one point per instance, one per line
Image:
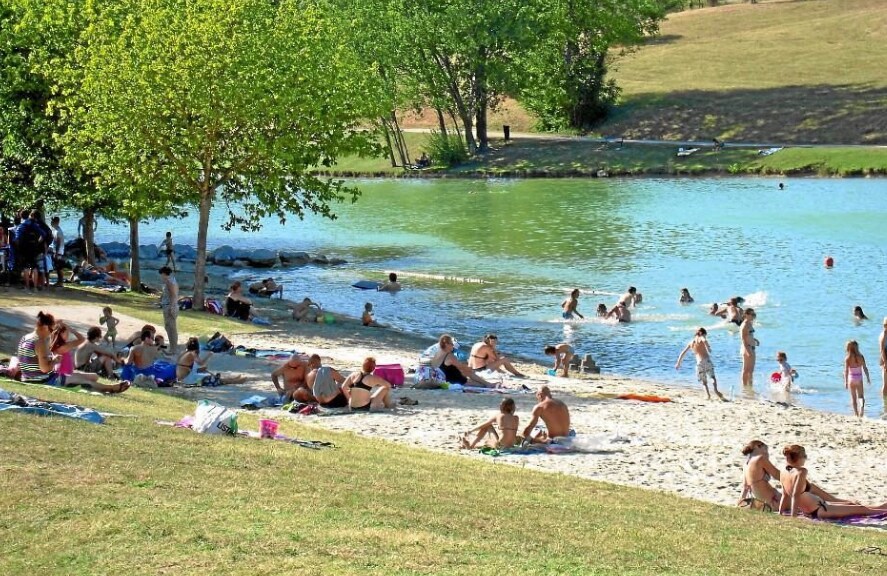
(401, 143)
(89, 234)
(480, 106)
(441, 121)
(388, 144)
(459, 103)
(206, 202)
(135, 269)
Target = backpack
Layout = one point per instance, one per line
(29, 236)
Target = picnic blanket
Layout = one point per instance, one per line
(10, 402)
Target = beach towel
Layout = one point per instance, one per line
(643, 397)
(15, 403)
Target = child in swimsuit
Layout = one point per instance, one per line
(367, 318)
(787, 374)
(108, 319)
(854, 367)
(505, 421)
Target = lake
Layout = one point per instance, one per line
(500, 256)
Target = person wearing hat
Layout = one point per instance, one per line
(484, 356)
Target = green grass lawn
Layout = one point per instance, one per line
(131, 497)
(779, 71)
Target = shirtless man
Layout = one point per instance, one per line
(307, 311)
(631, 297)
(295, 387)
(325, 384)
(93, 358)
(144, 354)
(570, 306)
(562, 353)
(554, 414)
(267, 287)
(704, 367)
(484, 356)
(620, 312)
(392, 285)
(732, 312)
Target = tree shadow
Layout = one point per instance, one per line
(824, 114)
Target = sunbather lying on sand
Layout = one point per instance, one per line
(505, 421)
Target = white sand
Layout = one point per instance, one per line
(689, 446)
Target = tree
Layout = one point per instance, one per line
(568, 85)
(231, 101)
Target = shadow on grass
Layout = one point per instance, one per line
(824, 114)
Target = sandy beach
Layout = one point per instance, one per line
(689, 446)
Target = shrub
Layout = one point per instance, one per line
(447, 150)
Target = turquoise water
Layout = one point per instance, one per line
(500, 255)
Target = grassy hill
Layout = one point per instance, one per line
(784, 71)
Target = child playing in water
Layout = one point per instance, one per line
(108, 319)
(367, 317)
(507, 423)
(704, 367)
(602, 310)
(562, 353)
(787, 374)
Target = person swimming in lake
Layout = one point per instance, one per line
(854, 367)
(705, 369)
(507, 424)
(392, 285)
(631, 297)
(602, 310)
(800, 496)
(620, 312)
(858, 314)
(570, 306)
(685, 297)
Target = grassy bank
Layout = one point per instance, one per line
(131, 497)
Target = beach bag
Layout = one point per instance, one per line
(212, 418)
(391, 373)
(428, 378)
(219, 344)
(213, 306)
(186, 303)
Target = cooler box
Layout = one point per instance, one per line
(392, 373)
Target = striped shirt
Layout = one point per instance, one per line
(28, 362)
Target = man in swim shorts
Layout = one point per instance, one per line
(570, 306)
(705, 369)
(631, 297)
(562, 353)
(554, 414)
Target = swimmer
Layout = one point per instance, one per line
(716, 310)
(602, 310)
(392, 285)
(859, 314)
(621, 313)
(687, 299)
(704, 366)
(854, 367)
(787, 374)
(631, 297)
(570, 306)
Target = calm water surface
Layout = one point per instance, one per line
(500, 256)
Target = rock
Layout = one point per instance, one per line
(320, 259)
(262, 258)
(185, 253)
(148, 252)
(115, 249)
(294, 258)
(337, 262)
(240, 264)
(224, 255)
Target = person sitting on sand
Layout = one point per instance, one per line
(34, 356)
(570, 306)
(294, 386)
(325, 384)
(366, 391)
(507, 424)
(136, 337)
(858, 314)
(142, 355)
(704, 366)
(685, 297)
(757, 492)
(91, 357)
(307, 311)
(562, 353)
(193, 369)
(798, 496)
(554, 414)
(484, 356)
(367, 317)
(266, 288)
(602, 310)
(620, 312)
(392, 285)
(63, 348)
(237, 305)
(455, 371)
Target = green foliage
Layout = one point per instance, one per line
(447, 149)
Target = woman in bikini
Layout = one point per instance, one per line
(505, 421)
(365, 391)
(854, 366)
(799, 495)
(748, 346)
(455, 372)
(192, 368)
(485, 356)
(756, 488)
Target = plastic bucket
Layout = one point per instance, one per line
(268, 428)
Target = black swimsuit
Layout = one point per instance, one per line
(452, 374)
(362, 386)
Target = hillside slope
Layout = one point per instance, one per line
(788, 71)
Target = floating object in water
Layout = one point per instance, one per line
(829, 261)
(367, 285)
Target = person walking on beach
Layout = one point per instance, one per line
(748, 346)
(570, 306)
(854, 366)
(704, 366)
(554, 414)
(169, 302)
(882, 343)
(167, 248)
